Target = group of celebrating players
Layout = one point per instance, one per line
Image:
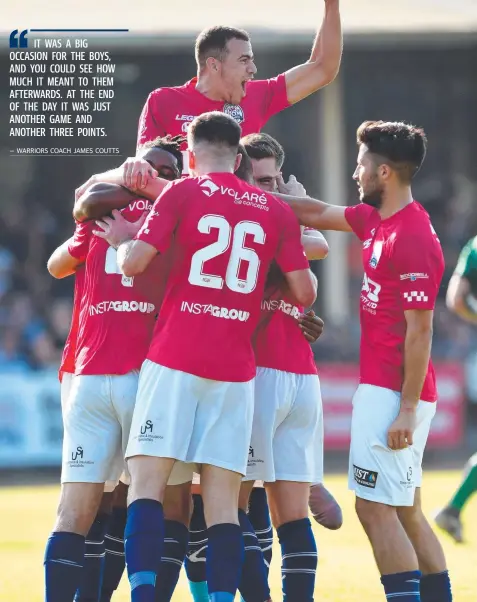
(189, 352)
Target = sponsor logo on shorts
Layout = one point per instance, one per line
(77, 460)
(147, 433)
(366, 478)
(413, 276)
(409, 482)
(214, 310)
(122, 306)
(252, 460)
(234, 111)
(280, 305)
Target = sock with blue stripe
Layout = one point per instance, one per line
(253, 584)
(64, 557)
(143, 545)
(259, 516)
(176, 538)
(299, 560)
(224, 561)
(114, 559)
(196, 554)
(402, 587)
(94, 554)
(436, 587)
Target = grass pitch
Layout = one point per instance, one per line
(346, 568)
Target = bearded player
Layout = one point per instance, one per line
(395, 402)
(199, 399)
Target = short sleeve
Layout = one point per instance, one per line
(79, 244)
(357, 217)
(161, 222)
(419, 263)
(150, 125)
(467, 262)
(290, 254)
(276, 96)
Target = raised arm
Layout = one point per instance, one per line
(459, 298)
(315, 245)
(324, 62)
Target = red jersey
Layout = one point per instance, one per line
(69, 350)
(279, 341)
(170, 110)
(403, 267)
(223, 235)
(117, 313)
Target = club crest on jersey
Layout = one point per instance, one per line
(234, 111)
(208, 187)
(375, 257)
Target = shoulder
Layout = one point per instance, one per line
(162, 94)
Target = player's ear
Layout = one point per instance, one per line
(212, 64)
(385, 171)
(238, 161)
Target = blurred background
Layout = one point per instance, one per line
(414, 61)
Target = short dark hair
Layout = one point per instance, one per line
(264, 146)
(245, 170)
(212, 42)
(215, 128)
(171, 144)
(401, 145)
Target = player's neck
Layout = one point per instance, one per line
(394, 201)
(212, 167)
(205, 86)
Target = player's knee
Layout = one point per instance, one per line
(373, 514)
(244, 495)
(73, 518)
(178, 503)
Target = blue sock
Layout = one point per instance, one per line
(253, 584)
(90, 588)
(64, 556)
(197, 552)
(176, 538)
(114, 559)
(402, 587)
(299, 560)
(224, 561)
(143, 545)
(259, 516)
(436, 587)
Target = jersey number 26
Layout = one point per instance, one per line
(239, 253)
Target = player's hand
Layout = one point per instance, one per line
(117, 230)
(311, 326)
(136, 173)
(292, 187)
(84, 187)
(401, 431)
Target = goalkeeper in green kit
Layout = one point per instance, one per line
(462, 300)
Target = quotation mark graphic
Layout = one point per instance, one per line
(19, 42)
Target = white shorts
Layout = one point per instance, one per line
(97, 420)
(65, 388)
(287, 434)
(377, 473)
(192, 419)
